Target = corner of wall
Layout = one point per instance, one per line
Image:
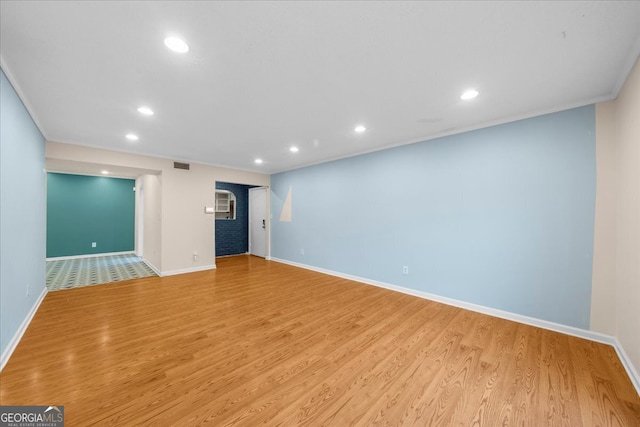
(11, 346)
(22, 218)
(603, 289)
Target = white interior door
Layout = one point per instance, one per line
(258, 221)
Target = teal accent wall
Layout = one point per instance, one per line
(501, 217)
(22, 213)
(85, 209)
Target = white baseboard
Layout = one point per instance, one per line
(61, 258)
(153, 267)
(626, 362)
(188, 270)
(544, 324)
(228, 256)
(6, 354)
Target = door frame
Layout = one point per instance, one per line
(139, 248)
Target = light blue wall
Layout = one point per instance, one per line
(502, 217)
(22, 212)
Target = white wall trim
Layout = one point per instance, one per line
(229, 256)
(153, 267)
(625, 71)
(188, 270)
(544, 324)
(626, 362)
(61, 258)
(6, 354)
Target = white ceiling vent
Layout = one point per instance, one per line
(184, 166)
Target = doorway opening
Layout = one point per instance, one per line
(232, 231)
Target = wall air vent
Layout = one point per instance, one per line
(178, 165)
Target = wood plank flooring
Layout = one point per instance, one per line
(258, 342)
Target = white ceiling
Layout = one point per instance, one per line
(261, 76)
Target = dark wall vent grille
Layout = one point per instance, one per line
(178, 165)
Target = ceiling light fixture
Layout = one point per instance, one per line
(146, 111)
(132, 137)
(469, 94)
(105, 172)
(258, 161)
(176, 44)
(360, 129)
(294, 149)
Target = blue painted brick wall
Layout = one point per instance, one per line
(232, 236)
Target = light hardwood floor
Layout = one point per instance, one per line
(257, 342)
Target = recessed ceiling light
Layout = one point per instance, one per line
(294, 149)
(146, 111)
(360, 129)
(105, 172)
(258, 161)
(469, 94)
(176, 44)
(132, 137)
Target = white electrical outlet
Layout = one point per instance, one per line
(195, 256)
(405, 269)
(301, 251)
(94, 244)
